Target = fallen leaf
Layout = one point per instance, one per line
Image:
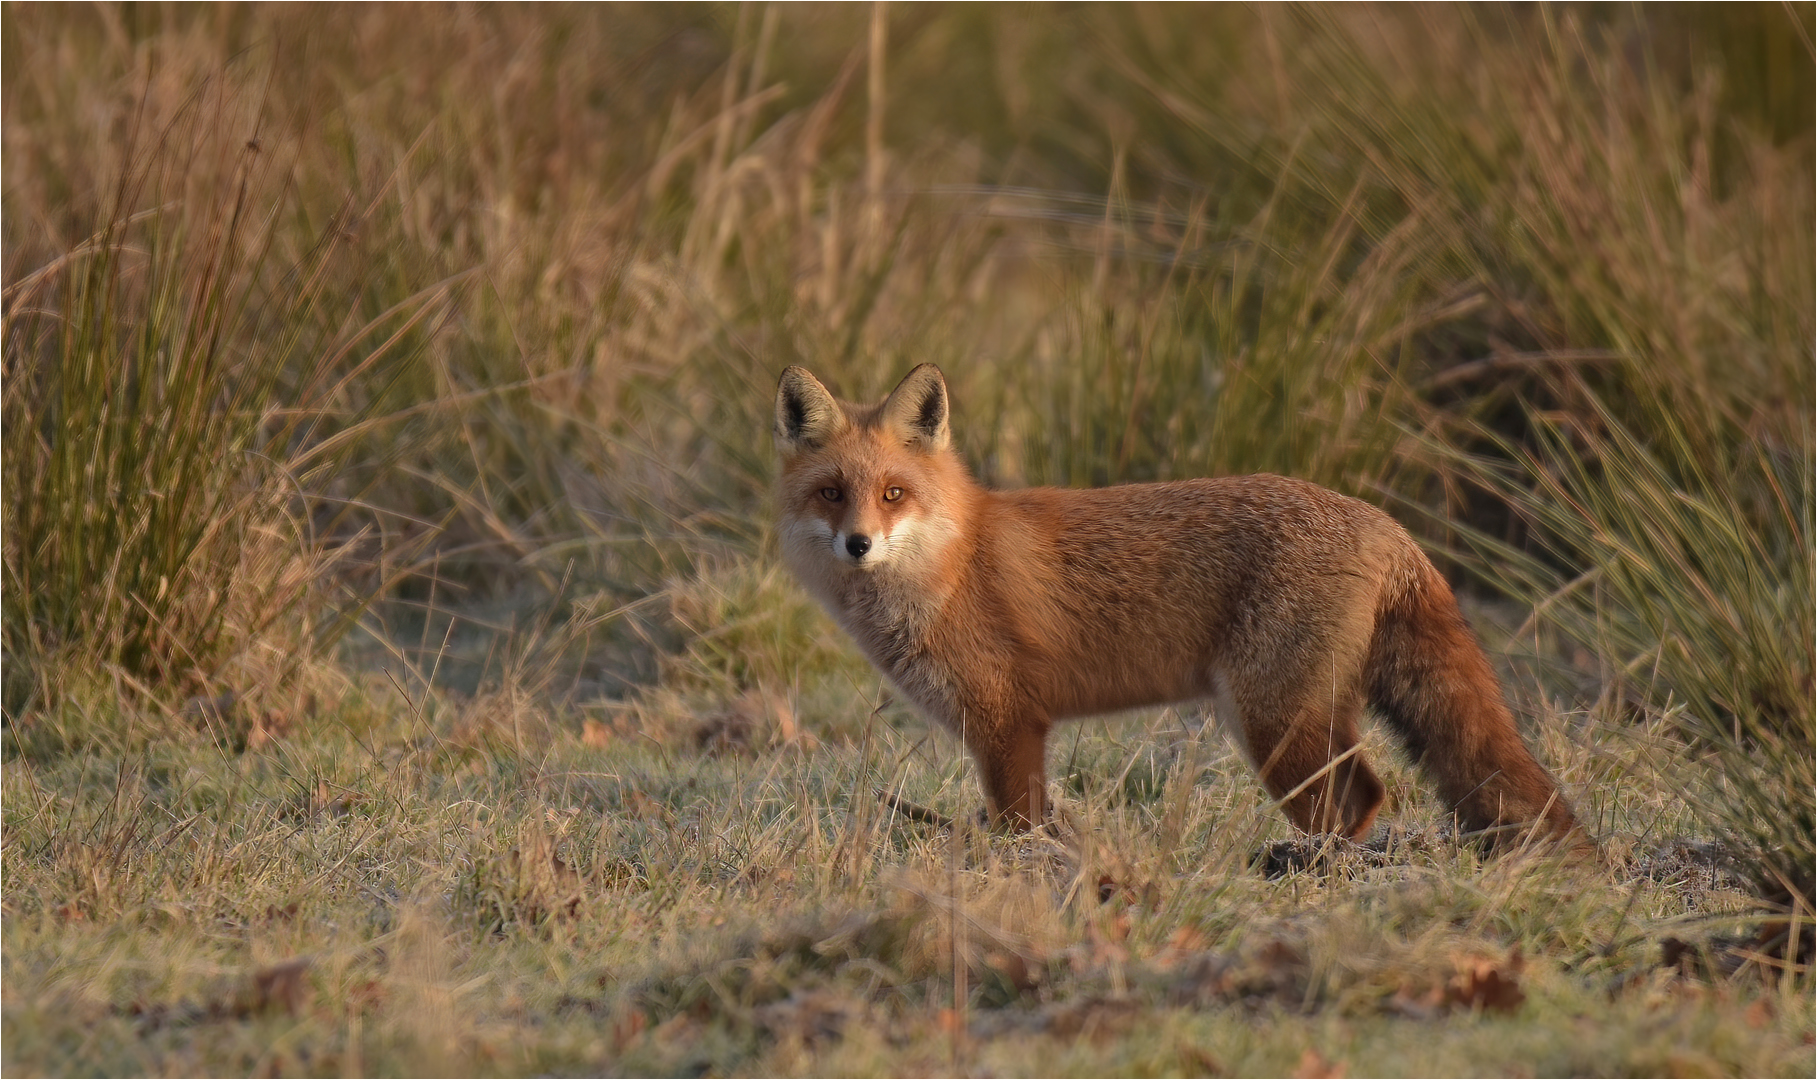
(1314, 1066)
(1276, 957)
(678, 1030)
(642, 806)
(1183, 947)
(1013, 969)
(1186, 939)
(1759, 1014)
(366, 996)
(1482, 983)
(788, 727)
(268, 726)
(282, 987)
(627, 1028)
(1198, 1061)
(1478, 982)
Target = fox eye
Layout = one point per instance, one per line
(892, 494)
(831, 494)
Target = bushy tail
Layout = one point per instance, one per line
(1430, 679)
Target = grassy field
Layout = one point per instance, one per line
(399, 676)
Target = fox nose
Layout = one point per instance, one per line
(857, 545)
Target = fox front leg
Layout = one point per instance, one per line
(1012, 763)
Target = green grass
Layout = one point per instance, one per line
(399, 676)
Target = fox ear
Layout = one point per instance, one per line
(806, 414)
(918, 408)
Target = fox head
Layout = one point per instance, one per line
(866, 488)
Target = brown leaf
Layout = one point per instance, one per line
(788, 726)
(366, 996)
(1013, 968)
(627, 1028)
(1186, 939)
(1478, 982)
(1759, 1014)
(1481, 983)
(642, 806)
(1184, 947)
(1314, 1066)
(678, 1030)
(268, 726)
(327, 800)
(595, 734)
(282, 987)
(1197, 1061)
(1277, 957)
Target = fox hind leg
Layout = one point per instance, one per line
(1306, 754)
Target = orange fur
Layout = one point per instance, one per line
(1285, 604)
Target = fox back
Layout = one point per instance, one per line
(1286, 605)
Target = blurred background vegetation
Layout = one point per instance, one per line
(321, 324)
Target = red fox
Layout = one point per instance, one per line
(1285, 604)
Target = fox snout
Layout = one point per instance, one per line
(861, 549)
